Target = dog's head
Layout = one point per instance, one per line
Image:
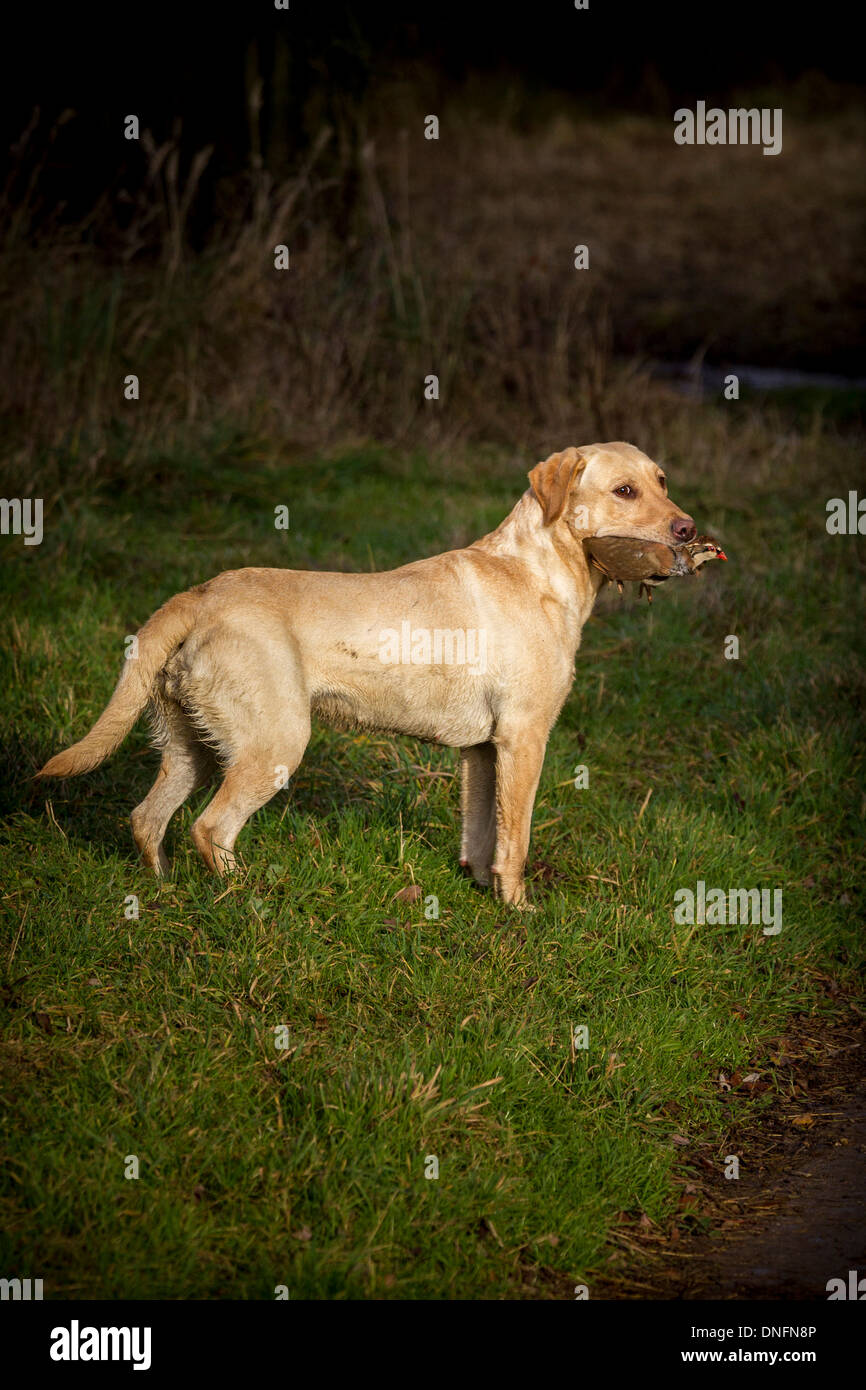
(609, 490)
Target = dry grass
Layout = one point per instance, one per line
(411, 257)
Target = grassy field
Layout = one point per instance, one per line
(410, 1037)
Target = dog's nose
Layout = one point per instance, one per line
(684, 529)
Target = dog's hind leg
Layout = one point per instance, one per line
(257, 772)
(242, 681)
(186, 764)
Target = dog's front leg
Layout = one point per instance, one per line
(519, 757)
(478, 807)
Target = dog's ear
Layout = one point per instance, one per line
(551, 481)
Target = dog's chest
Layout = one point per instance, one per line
(453, 712)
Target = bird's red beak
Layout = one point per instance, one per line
(721, 555)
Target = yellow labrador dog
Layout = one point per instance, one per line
(473, 649)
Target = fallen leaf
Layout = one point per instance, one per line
(408, 895)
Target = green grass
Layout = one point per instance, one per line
(410, 1036)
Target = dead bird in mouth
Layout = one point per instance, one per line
(623, 559)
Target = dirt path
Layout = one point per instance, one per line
(796, 1216)
(817, 1233)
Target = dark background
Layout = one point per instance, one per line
(305, 128)
(191, 63)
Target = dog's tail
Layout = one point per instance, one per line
(161, 634)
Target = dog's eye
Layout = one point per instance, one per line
(625, 491)
(663, 482)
